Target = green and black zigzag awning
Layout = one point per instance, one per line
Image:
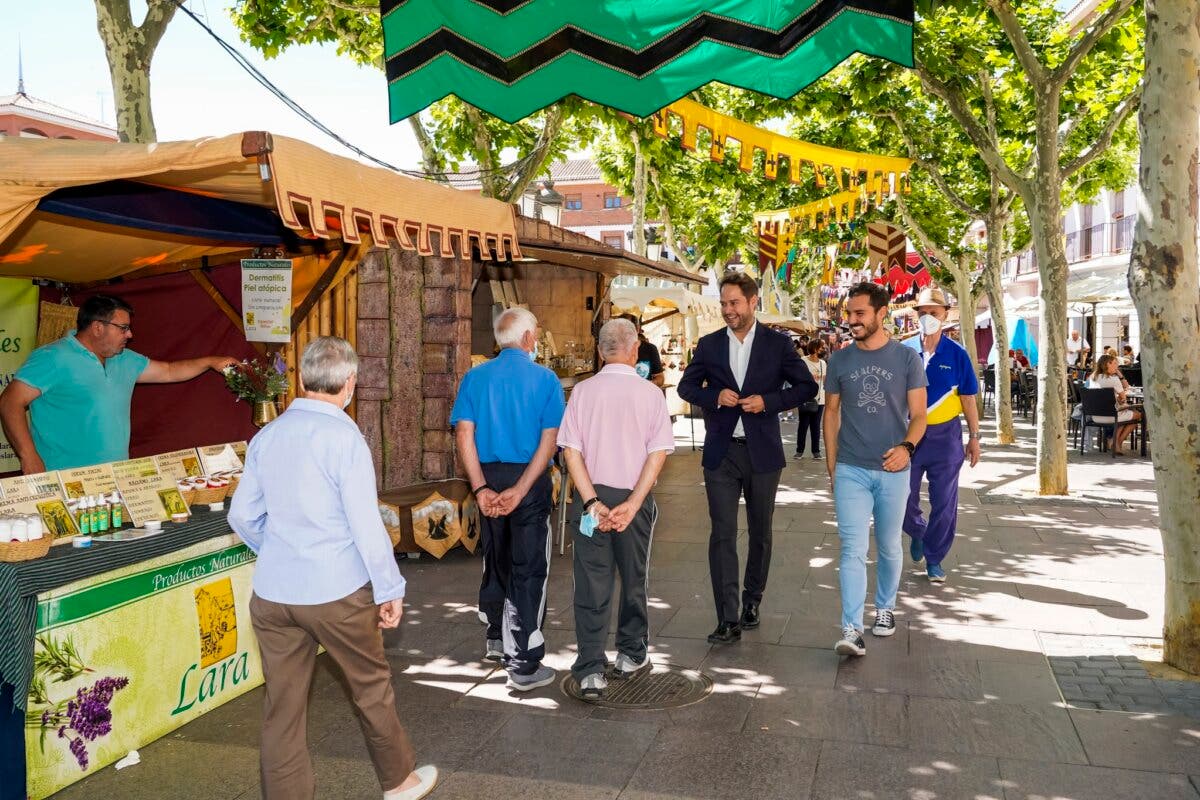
(513, 57)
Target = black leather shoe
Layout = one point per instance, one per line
(749, 617)
(726, 633)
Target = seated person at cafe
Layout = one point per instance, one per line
(1021, 359)
(1127, 358)
(1107, 376)
(78, 391)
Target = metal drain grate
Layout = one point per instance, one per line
(659, 689)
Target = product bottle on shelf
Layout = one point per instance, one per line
(101, 514)
(115, 500)
(83, 517)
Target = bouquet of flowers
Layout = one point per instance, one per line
(257, 380)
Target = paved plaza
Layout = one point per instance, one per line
(1007, 682)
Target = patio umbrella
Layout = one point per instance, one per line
(1022, 339)
(513, 57)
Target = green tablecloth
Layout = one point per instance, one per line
(21, 583)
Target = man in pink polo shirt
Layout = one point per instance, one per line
(616, 434)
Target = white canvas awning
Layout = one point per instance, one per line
(645, 301)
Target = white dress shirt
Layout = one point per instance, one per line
(739, 360)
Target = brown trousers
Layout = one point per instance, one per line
(288, 636)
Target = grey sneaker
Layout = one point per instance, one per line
(851, 643)
(495, 650)
(542, 676)
(626, 667)
(592, 686)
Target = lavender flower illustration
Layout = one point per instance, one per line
(82, 718)
(85, 717)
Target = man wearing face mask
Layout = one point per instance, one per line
(506, 419)
(940, 454)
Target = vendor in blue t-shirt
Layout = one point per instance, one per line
(77, 391)
(940, 455)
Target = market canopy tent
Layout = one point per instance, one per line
(513, 57)
(638, 300)
(82, 212)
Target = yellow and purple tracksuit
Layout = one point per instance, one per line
(940, 456)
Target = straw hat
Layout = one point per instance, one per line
(931, 296)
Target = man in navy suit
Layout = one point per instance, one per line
(737, 378)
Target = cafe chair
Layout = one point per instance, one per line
(989, 384)
(1097, 403)
(1073, 427)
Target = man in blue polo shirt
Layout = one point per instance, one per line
(506, 419)
(78, 390)
(940, 455)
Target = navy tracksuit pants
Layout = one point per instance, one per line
(516, 564)
(940, 457)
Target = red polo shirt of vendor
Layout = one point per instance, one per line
(616, 419)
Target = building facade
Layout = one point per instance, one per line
(31, 117)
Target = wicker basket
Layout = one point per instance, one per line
(25, 551)
(206, 496)
(234, 480)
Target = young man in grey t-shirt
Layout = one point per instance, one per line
(874, 417)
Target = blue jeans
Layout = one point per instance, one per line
(857, 495)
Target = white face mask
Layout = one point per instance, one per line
(929, 324)
(346, 402)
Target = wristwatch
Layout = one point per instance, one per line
(974, 435)
(909, 446)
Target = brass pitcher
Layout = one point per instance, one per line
(264, 412)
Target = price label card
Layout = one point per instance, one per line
(134, 468)
(26, 495)
(222, 457)
(87, 481)
(179, 464)
(150, 497)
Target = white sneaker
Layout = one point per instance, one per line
(495, 650)
(592, 686)
(626, 667)
(542, 676)
(428, 776)
(851, 643)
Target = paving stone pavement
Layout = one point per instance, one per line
(983, 692)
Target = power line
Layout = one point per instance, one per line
(308, 117)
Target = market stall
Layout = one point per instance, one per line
(143, 624)
(672, 319)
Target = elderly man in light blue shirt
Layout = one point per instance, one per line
(326, 576)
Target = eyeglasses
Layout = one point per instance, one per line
(124, 328)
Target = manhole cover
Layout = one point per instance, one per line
(658, 689)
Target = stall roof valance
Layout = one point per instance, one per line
(512, 57)
(69, 210)
(542, 241)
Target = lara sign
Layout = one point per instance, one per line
(189, 605)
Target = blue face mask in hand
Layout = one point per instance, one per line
(587, 524)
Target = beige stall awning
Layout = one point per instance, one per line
(314, 193)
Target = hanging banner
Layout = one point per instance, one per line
(18, 337)
(267, 299)
(879, 175)
(511, 58)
